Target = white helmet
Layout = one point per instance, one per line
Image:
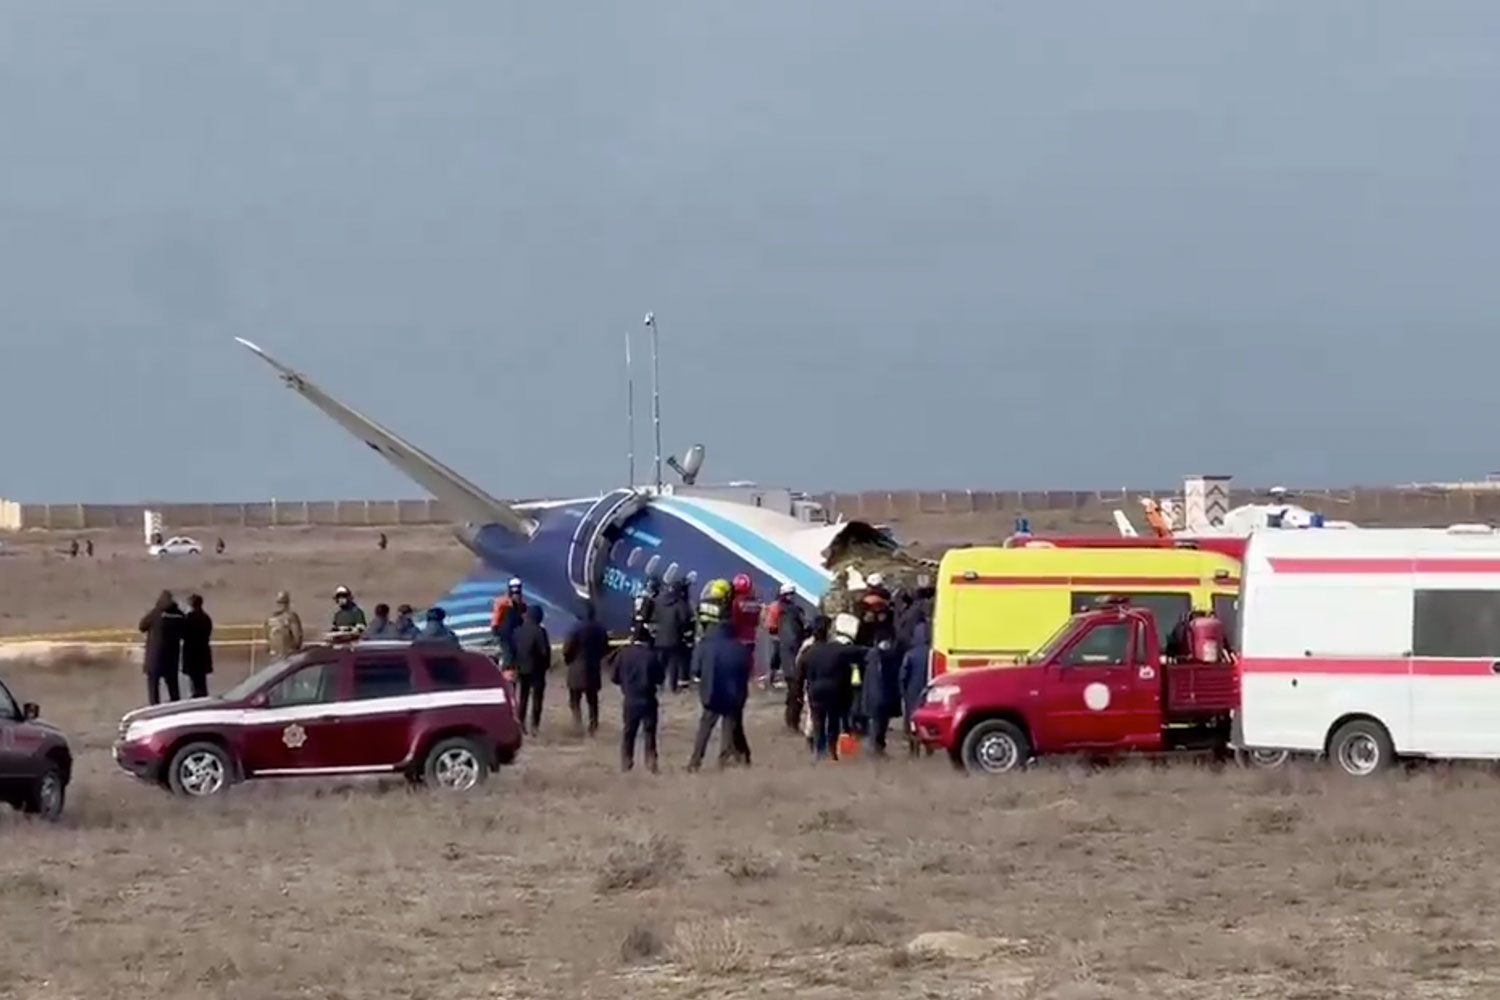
(515, 583)
(341, 591)
(874, 579)
(788, 590)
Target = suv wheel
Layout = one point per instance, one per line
(46, 798)
(200, 770)
(995, 747)
(456, 765)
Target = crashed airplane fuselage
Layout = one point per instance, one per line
(600, 548)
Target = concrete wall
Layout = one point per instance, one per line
(1365, 505)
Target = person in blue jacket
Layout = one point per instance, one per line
(883, 691)
(724, 663)
(914, 675)
(436, 631)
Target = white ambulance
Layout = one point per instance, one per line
(1370, 645)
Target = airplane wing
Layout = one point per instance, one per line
(1127, 530)
(462, 498)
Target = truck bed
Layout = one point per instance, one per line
(1199, 689)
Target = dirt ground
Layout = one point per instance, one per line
(564, 878)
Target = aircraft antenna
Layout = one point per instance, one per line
(629, 412)
(655, 396)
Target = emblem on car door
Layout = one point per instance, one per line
(294, 736)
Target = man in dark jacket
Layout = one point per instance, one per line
(723, 664)
(791, 632)
(436, 629)
(533, 656)
(914, 678)
(347, 616)
(639, 673)
(672, 623)
(584, 651)
(197, 651)
(828, 677)
(162, 626)
(645, 604)
(882, 691)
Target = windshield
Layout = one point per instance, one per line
(1047, 649)
(255, 681)
(8, 707)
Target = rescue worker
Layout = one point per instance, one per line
(672, 624)
(405, 627)
(162, 626)
(645, 604)
(197, 648)
(436, 629)
(882, 692)
(73, 554)
(639, 673)
(876, 620)
(689, 635)
(845, 633)
(723, 665)
(826, 669)
(509, 615)
(381, 626)
(713, 609)
(88, 547)
(789, 634)
(283, 629)
(914, 677)
(533, 657)
(744, 611)
(382, 542)
(584, 652)
(219, 546)
(347, 616)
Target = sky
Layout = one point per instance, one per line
(948, 244)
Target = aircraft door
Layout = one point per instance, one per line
(592, 539)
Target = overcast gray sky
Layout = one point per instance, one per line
(889, 243)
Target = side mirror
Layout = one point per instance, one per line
(31, 710)
(259, 701)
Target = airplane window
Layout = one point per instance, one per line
(616, 549)
(671, 574)
(652, 563)
(635, 557)
(692, 577)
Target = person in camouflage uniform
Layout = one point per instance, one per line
(283, 628)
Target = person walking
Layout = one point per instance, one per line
(914, 677)
(639, 672)
(162, 627)
(882, 691)
(583, 653)
(533, 657)
(827, 670)
(788, 635)
(723, 663)
(197, 646)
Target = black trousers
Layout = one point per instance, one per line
(827, 723)
(880, 725)
(640, 718)
(732, 743)
(153, 686)
(575, 705)
(794, 697)
(678, 660)
(199, 684)
(533, 688)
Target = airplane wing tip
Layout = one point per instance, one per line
(246, 343)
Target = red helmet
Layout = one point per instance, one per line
(742, 584)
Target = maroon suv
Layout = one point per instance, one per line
(35, 762)
(435, 713)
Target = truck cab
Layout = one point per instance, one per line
(1100, 687)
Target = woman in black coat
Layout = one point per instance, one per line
(197, 652)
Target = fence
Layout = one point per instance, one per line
(1366, 505)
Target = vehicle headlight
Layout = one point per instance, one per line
(941, 694)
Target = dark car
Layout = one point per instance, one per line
(435, 713)
(35, 761)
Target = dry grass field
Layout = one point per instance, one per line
(563, 878)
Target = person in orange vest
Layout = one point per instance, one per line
(509, 614)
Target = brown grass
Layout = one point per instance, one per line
(564, 878)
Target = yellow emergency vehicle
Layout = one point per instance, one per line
(995, 605)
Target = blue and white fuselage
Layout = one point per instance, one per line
(602, 548)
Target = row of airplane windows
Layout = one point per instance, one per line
(637, 554)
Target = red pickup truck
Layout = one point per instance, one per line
(1098, 687)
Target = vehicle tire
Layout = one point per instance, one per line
(458, 764)
(1361, 748)
(1264, 760)
(200, 771)
(995, 747)
(45, 799)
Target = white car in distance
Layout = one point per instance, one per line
(177, 545)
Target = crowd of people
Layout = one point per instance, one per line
(845, 677)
